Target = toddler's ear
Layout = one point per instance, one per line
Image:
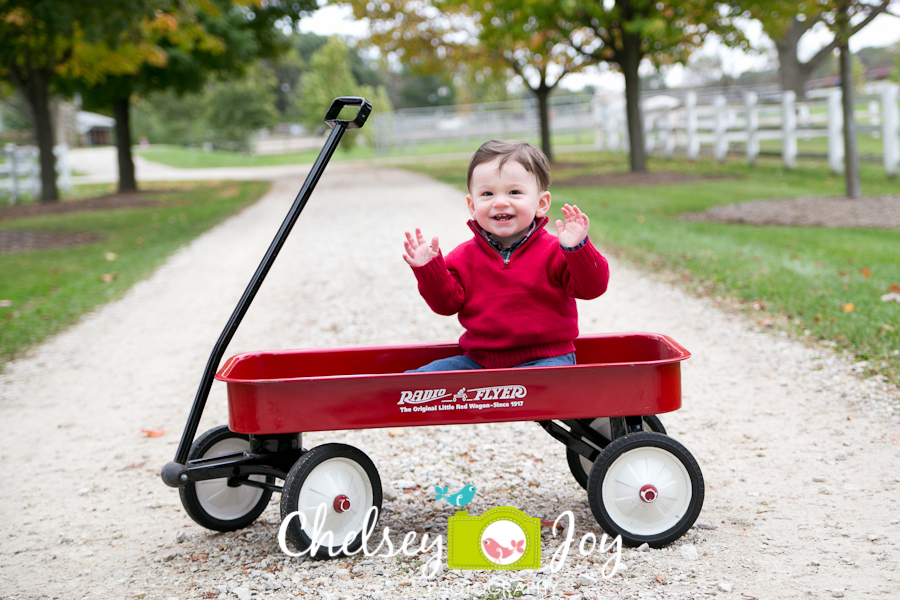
(543, 204)
(471, 204)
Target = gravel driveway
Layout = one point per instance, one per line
(801, 458)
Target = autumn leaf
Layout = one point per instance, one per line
(866, 272)
(849, 307)
(895, 287)
(109, 277)
(153, 432)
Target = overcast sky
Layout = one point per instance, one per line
(883, 31)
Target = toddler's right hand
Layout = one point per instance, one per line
(418, 253)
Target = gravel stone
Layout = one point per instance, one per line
(135, 363)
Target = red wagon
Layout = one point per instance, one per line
(641, 484)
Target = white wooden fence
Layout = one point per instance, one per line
(685, 122)
(719, 125)
(20, 171)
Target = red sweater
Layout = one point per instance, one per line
(518, 311)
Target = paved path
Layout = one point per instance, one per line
(801, 459)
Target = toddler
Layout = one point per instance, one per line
(513, 284)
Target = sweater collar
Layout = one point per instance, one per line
(536, 225)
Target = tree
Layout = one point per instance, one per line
(236, 108)
(39, 37)
(483, 43)
(785, 22)
(624, 32)
(199, 39)
(329, 77)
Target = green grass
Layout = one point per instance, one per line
(196, 158)
(48, 290)
(803, 278)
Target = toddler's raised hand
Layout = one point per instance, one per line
(575, 229)
(418, 253)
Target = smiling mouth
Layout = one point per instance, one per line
(502, 217)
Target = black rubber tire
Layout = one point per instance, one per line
(579, 470)
(253, 501)
(360, 482)
(677, 516)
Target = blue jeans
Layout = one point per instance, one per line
(463, 363)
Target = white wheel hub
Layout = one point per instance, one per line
(646, 491)
(344, 487)
(216, 497)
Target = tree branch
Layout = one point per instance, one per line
(819, 56)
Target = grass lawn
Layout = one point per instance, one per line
(44, 291)
(827, 282)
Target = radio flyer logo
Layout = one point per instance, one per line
(501, 538)
(501, 392)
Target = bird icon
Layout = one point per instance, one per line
(460, 498)
(494, 550)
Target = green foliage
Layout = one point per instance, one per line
(49, 289)
(238, 108)
(329, 77)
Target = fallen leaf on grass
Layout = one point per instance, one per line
(110, 256)
(892, 297)
(866, 272)
(895, 287)
(849, 307)
(5, 303)
(153, 432)
(109, 277)
(887, 327)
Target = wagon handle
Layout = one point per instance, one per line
(174, 473)
(331, 117)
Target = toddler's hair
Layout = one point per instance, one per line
(523, 153)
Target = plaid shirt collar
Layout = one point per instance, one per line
(506, 252)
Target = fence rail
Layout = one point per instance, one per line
(20, 171)
(716, 121)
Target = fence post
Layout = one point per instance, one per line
(63, 171)
(752, 115)
(720, 127)
(599, 110)
(890, 129)
(693, 141)
(788, 129)
(670, 132)
(13, 173)
(835, 132)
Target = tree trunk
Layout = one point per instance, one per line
(851, 156)
(630, 60)
(121, 108)
(793, 73)
(36, 86)
(543, 94)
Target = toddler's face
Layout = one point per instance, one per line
(505, 202)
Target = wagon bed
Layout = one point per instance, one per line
(623, 374)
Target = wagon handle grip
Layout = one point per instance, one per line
(331, 117)
(174, 474)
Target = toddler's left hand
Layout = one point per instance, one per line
(575, 229)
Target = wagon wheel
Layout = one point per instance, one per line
(581, 466)
(646, 487)
(214, 503)
(346, 482)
